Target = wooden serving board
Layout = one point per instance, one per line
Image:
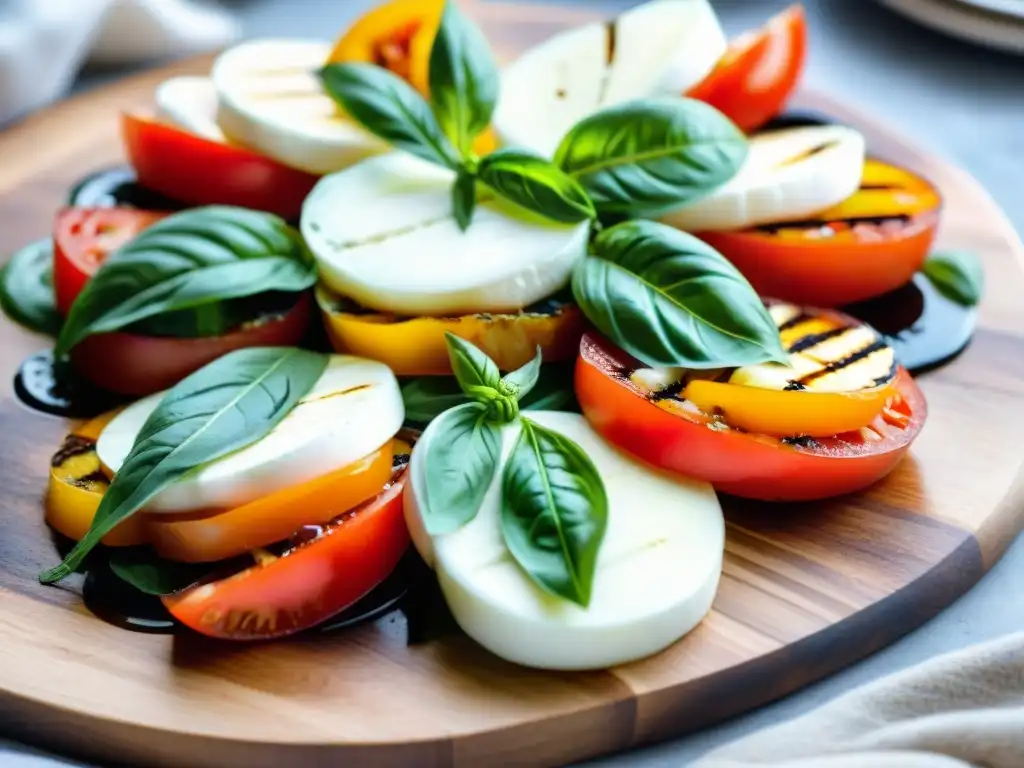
(806, 589)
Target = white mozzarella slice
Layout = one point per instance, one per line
(383, 234)
(657, 570)
(788, 175)
(354, 409)
(190, 103)
(272, 101)
(661, 47)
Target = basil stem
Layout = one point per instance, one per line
(223, 407)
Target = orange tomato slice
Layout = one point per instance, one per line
(209, 537)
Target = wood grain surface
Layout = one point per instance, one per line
(806, 589)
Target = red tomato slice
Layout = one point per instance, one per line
(199, 171)
(752, 82)
(82, 240)
(744, 464)
(310, 582)
(130, 364)
(869, 244)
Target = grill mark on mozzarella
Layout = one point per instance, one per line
(610, 32)
(846, 362)
(808, 153)
(812, 340)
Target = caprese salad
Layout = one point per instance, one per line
(602, 282)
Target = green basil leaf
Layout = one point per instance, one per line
(199, 257)
(554, 512)
(524, 379)
(536, 184)
(670, 299)
(427, 397)
(464, 199)
(463, 79)
(153, 575)
(957, 275)
(641, 158)
(221, 408)
(461, 461)
(388, 107)
(472, 368)
(26, 288)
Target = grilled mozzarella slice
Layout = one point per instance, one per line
(828, 352)
(837, 380)
(789, 174)
(383, 234)
(657, 570)
(354, 409)
(190, 103)
(661, 47)
(272, 101)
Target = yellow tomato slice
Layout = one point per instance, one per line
(199, 538)
(783, 414)
(77, 485)
(399, 36)
(416, 346)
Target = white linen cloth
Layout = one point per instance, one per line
(44, 43)
(961, 710)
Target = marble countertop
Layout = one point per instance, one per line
(962, 103)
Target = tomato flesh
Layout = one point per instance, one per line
(751, 465)
(866, 246)
(752, 82)
(209, 538)
(309, 583)
(82, 240)
(199, 171)
(131, 364)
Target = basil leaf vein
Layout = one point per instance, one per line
(536, 184)
(670, 299)
(26, 288)
(199, 257)
(957, 275)
(223, 407)
(461, 461)
(554, 512)
(642, 158)
(389, 108)
(463, 79)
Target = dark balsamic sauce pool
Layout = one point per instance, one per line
(53, 388)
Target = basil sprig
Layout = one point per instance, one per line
(221, 408)
(463, 93)
(957, 275)
(153, 575)
(193, 260)
(26, 288)
(554, 512)
(643, 157)
(670, 299)
(427, 397)
(554, 505)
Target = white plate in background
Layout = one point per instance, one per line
(993, 23)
